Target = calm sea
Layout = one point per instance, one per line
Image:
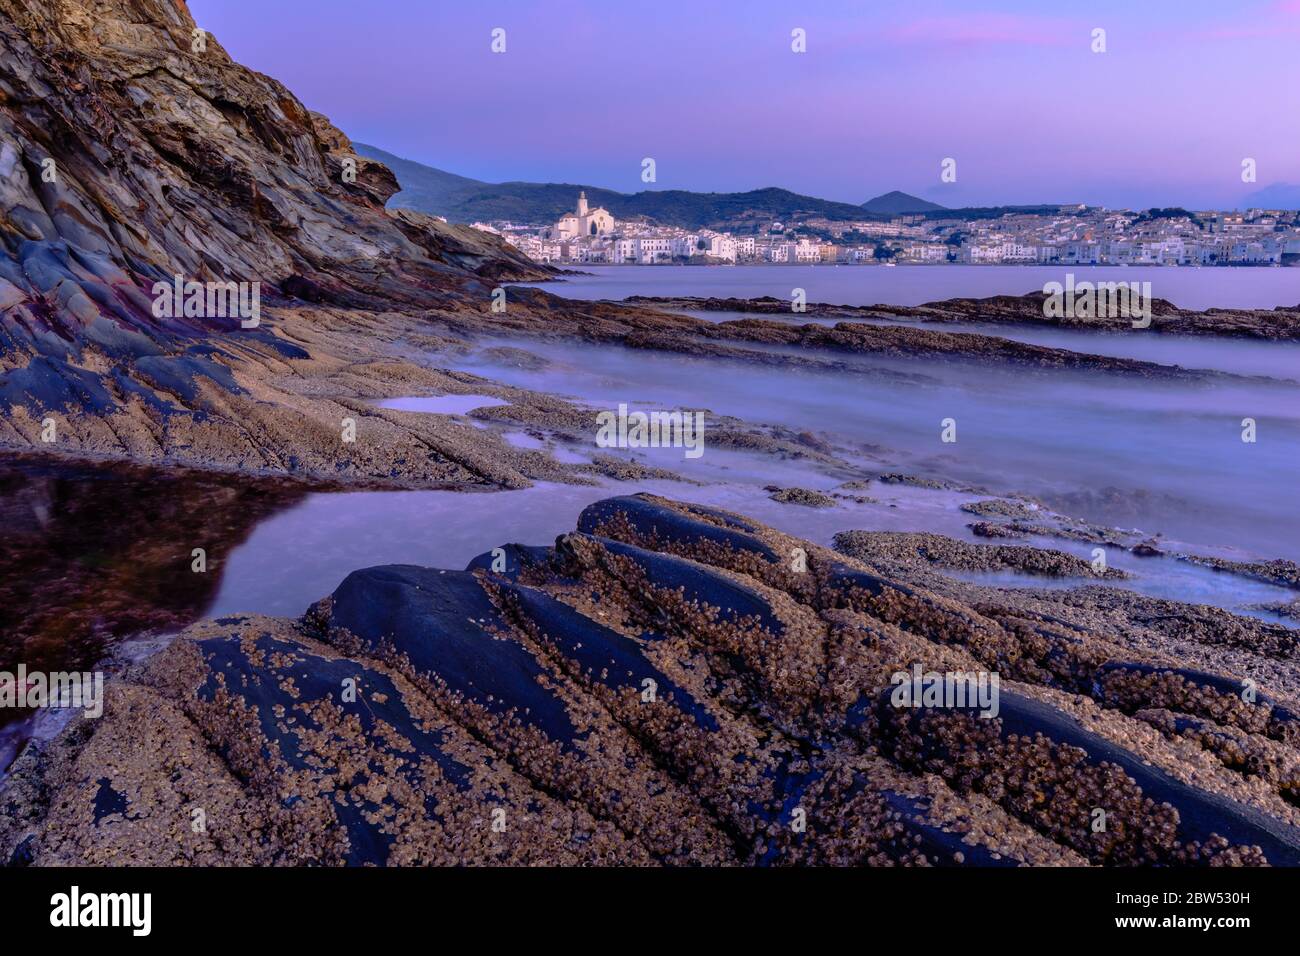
(1186, 287)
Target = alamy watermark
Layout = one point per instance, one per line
(59, 689)
(74, 908)
(624, 429)
(1098, 300)
(208, 300)
(953, 689)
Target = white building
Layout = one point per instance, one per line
(722, 247)
(584, 222)
(683, 247)
(623, 251)
(653, 249)
(806, 252)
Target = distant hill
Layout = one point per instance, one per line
(897, 203)
(461, 199)
(1276, 196)
(970, 213)
(423, 188)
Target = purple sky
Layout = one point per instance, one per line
(886, 91)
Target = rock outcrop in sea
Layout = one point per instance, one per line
(1280, 324)
(668, 684)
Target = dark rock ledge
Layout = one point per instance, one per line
(1280, 324)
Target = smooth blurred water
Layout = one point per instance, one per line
(1185, 286)
(301, 554)
(1239, 356)
(1162, 456)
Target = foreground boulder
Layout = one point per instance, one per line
(668, 684)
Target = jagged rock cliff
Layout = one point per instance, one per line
(134, 150)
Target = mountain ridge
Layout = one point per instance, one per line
(896, 201)
(462, 199)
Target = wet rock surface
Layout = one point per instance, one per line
(947, 552)
(1280, 324)
(1279, 572)
(800, 496)
(674, 684)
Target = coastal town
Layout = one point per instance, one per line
(1069, 235)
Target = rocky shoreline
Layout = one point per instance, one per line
(668, 683)
(671, 684)
(281, 403)
(289, 416)
(172, 160)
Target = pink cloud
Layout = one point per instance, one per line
(985, 30)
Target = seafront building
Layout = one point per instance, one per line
(1066, 235)
(583, 222)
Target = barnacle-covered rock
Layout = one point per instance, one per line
(663, 686)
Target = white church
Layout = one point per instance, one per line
(584, 222)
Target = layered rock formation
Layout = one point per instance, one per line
(134, 150)
(676, 685)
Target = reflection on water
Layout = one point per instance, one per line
(441, 404)
(89, 554)
(93, 555)
(300, 554)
